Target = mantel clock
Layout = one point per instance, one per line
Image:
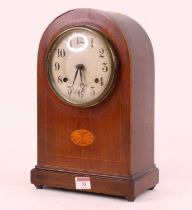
(96, 105)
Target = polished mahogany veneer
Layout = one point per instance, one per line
(119, 159)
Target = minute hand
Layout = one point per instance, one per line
(75, 75)
(81, 75)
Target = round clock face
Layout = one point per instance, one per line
(81, 66)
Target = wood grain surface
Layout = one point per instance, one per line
(121, 159)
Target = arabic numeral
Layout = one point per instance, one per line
(92, 91)
(57, 66)
(105, 67)
(80, 40)
(92, 42)
(70, 90)
(60, 79)
(60, 53)
(99, 81)
(101, 53)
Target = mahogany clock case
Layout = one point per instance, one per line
(121, 160)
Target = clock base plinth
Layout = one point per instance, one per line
(126, 186)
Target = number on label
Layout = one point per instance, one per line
(57, 66)
(60, 53)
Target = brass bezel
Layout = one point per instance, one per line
(112, 79)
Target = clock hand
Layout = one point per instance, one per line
(80, 74)
(75, 75)
(71, 88)
(81, 68)
(82, 85)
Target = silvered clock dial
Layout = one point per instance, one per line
(81, 66)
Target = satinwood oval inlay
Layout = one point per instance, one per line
(82, 137)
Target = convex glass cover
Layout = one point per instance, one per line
(81, 66)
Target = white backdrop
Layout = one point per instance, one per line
(168, 24)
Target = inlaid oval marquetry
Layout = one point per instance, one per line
(82, 137)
